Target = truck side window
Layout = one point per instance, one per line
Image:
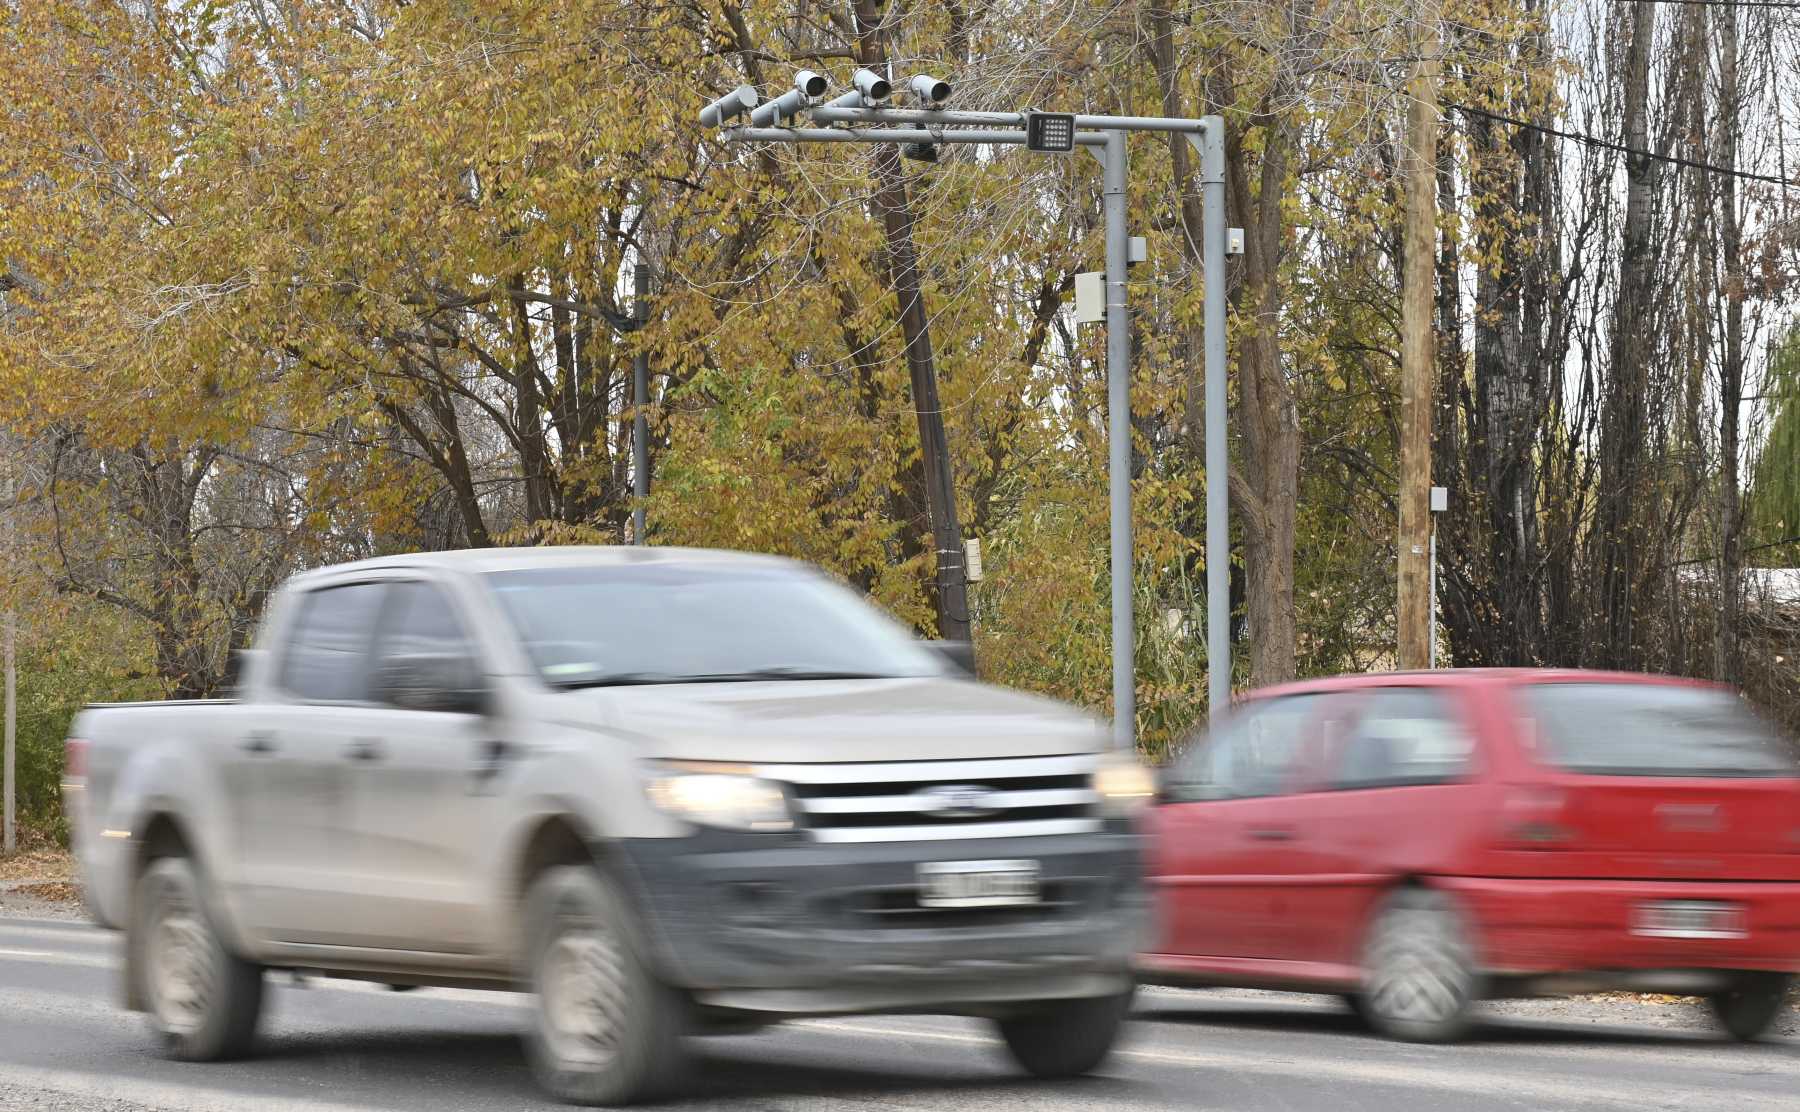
(325, 658)
(420, 621)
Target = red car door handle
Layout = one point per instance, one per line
(1272, 833)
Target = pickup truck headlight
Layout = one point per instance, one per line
(1124, 785)
(727, 796)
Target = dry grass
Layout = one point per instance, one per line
(48, 863)
(56, 891)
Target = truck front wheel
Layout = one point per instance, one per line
(1065, 1038)
(606, 1030)
(203, 1000)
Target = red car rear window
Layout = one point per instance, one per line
(1637, 729)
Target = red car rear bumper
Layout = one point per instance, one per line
(1562, 926)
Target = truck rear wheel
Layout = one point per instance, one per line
(203, 1000)
(1749, 1007)
(1065, 1038)
(606, 1031)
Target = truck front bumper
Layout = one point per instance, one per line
(795, 927)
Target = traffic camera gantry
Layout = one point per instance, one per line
(862, 114)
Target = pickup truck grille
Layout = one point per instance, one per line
(939, 800)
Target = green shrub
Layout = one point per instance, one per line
(53, 687)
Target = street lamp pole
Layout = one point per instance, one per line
(1105, 135)
(1213, 237)
(1118, 432)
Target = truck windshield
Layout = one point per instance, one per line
(1638, 729)
(607, 626)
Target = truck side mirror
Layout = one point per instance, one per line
(449, 683)
(961, 654)
(238, 668)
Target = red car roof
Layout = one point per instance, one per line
(1456, 677)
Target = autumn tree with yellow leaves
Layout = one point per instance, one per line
(292, 281)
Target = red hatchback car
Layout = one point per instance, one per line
(1419, 842)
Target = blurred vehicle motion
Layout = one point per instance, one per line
(1417, 842)
(669, 792)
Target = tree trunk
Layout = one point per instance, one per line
(1620, 515)
(1266, 493)
(1451, 447)
(1727, 663)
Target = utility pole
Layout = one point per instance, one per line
(10, 843)
(1417, 350)
(640, 401)
(892, 203)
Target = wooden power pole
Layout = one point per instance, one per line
(9, 840)
(1417, 349)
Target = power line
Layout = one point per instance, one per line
(1790, 4)
(1607, 144)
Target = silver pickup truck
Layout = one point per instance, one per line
(668, 792)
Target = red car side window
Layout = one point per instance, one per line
(1405, 736)
(1256, 751)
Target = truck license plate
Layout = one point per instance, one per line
(977, 883)
(1688, 919)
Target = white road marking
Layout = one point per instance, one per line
(9, 932)
(186, 1097)
(1544, 1090)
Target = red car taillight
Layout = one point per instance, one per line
(1532, 818)
(75, 759)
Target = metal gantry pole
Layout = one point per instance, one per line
(1106, 135)
(1218, 455)
(640, 401)
(1118, 423)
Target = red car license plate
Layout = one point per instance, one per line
(1688, 919)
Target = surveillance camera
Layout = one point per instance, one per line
(783, 107)
(873, 87)
(930, 90)
(810, 84)
(735, 103)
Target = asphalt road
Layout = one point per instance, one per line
(64, 1044)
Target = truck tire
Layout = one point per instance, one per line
(203, 1000)
(1065, 1038)
(1420, 981)
(605, 1030)
(1750, 1006)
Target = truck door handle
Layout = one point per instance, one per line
(258, 741)
(494, 754)
(364, 749)
(1272, 833)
